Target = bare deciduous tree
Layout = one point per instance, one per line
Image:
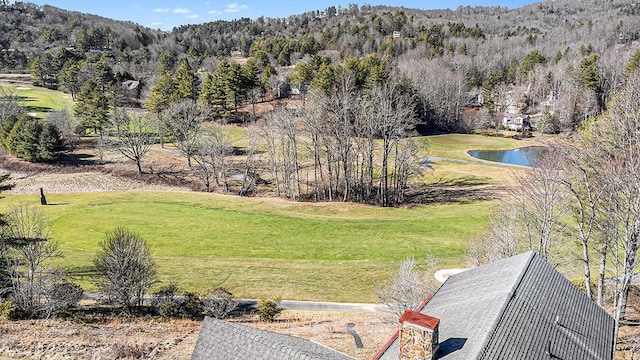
(280, 138)
(184, 120)
(212, 161)
(581, 181)
(472, 121)
(393, 117)
(64, 122)
(313, 126)
(341, 115)
(500, 240)
(62, 295)
(408, 288)
(441, 86)
(125, 267)
(248, 177)
(132, 137)
(532, 217)
(616, 137)
(30, 253)
(9, 105)
(540, 202)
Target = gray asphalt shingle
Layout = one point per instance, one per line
(517, 308)
(223, 340)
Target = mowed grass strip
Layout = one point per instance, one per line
(328, 251)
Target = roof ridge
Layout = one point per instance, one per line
(531, 255)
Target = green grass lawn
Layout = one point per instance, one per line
(335, 252)
(40, 100)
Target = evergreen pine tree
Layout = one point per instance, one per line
(186, 82)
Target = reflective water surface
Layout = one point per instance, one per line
(526, 156)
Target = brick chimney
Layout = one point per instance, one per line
(418, 336)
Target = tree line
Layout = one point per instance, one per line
(348, 142)
(519, 57)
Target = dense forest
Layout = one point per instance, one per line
(565, 56)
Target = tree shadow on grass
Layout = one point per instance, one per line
(43, 109)
(31, 108)
(78, 159)
(456, 192)
(468, 180)
(82, 273)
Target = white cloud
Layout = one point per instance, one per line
(181, 11)
(235, 7)
(193, 16)
(213, 12)
(162, 10)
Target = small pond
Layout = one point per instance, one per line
(526, 156)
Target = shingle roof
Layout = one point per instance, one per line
(517, 308)
(223, 340)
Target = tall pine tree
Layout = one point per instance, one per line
(186, 82)
(92, 107)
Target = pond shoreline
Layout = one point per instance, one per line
(524, 156)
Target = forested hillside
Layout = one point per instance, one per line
(567, 55)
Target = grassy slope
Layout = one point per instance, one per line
(303, 251)
(40, 100)
(263, 246)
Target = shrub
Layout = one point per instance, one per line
(166, 294)
(75, 316)
(7, 311)
(192, 306)
(10, 311)
(218, 303)
(170, 305)
(126, 267)
(167, 302)
(170, 310)
(63, 296)
(268, 309)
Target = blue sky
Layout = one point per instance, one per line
(163, 14)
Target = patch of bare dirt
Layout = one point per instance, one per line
(77, 183)
(82, 172)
